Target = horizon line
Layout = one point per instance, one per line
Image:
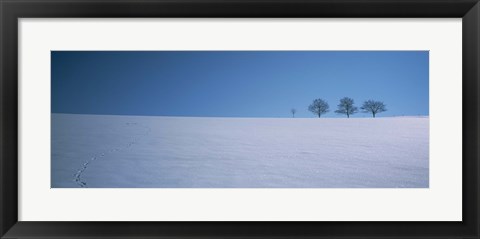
(269, 117)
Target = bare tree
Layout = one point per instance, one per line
(319, 107)
(374, 107)
(293, 111)
(346, 107)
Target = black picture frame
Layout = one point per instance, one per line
(12, 10)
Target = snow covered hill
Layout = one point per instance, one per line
(98, 151)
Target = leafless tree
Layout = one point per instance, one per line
(319, 107)
(346, 107)
(293, 111)
(374, 107)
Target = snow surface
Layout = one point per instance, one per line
(99, 151)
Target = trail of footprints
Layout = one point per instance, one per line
(78, 175)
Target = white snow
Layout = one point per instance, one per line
(98, 151)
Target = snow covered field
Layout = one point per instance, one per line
(99, 151)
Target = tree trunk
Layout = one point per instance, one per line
(319, 115)
(373, 115)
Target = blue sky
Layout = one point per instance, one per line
(236, 83)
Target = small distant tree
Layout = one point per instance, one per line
(319, 107)
(374, 107)
(293, 111)
(346, 107)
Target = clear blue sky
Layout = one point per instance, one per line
(236, 83)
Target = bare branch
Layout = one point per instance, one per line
(374, 107)
(346, 107)
(319, 107)
(293, 111)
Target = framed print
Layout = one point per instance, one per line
(239, 119)
(230, 109)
